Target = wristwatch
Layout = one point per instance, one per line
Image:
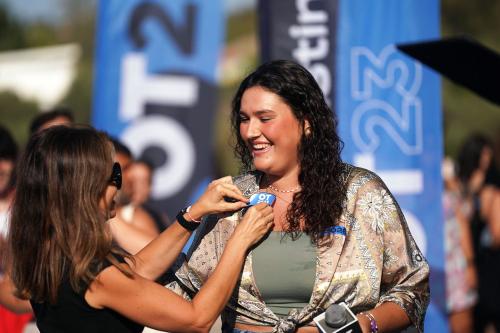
(188, 225)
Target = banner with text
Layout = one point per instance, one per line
(389, 109)
(389, 106)
(155, 88)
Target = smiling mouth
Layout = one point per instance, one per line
(260, 148)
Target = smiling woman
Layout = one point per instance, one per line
(338, 236)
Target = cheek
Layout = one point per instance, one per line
(108, 197)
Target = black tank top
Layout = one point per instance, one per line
(72, 313)
(486, 259)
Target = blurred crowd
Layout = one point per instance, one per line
(136, 223)
(471, 201)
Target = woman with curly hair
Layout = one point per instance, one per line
(338, 236)
(64, 259)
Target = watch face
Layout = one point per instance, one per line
(262, 197)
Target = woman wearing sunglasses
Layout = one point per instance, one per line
(63, 258)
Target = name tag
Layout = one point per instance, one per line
(262, 197)
(335, 230)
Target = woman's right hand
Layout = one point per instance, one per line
(213, 200)
(256, 222)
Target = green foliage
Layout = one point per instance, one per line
(241, 25)
(16, 115)
(463, 111)
(77, 28)
(12, 33)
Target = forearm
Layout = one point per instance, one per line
(10, 301)
(161, 253)
(215, 293)
(389, 317)
(465, 236)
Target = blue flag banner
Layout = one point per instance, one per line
(155, 88)
(389, 106)
(389, 110)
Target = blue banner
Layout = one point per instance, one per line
(155, 88)
(389, 110)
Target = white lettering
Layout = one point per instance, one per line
(313, 45)
(174, 140)
(139, 88)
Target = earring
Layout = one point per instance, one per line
(307, 131)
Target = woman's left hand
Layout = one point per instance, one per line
(214, 199)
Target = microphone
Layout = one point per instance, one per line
(338, 318)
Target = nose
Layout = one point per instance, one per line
(253, 129)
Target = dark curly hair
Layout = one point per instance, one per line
(319, 204)
(470, 155)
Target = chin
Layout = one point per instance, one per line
(263, 166)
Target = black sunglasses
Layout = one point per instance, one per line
(116, 176)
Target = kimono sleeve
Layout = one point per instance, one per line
(404, 271)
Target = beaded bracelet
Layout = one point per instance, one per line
(373, 322)
(190, 216)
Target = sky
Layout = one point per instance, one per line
(51, 10)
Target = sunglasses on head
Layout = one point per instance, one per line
(116, 176)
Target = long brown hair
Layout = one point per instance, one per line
(57, 228)
(320, 202)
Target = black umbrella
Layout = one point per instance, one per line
(462, 60)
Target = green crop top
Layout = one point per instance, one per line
(284, 272)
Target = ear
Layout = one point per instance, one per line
(307, 127)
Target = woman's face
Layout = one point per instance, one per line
(271, 131)
(6, 169)
(107, 202)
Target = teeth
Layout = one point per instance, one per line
(260, 146)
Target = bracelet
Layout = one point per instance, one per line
(191, 217)
(373, 322)
(188, 225)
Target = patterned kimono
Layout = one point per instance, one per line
(376, 260)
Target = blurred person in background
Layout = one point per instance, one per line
(460, 269)
(57, 116)
(140, 177)
(133, 227)
(8, 157)
(10, 322)
(475, 170)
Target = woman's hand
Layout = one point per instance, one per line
(256, 222)
(212, 201)
(364, 323)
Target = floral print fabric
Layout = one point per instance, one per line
(377, 261)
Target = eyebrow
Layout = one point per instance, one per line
(260, 112)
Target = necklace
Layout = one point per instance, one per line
(275, 189)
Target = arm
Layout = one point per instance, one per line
(158, 307)
(8, 299)
(467, 246)
(494, 219)
(404, 289)
(160, 254)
